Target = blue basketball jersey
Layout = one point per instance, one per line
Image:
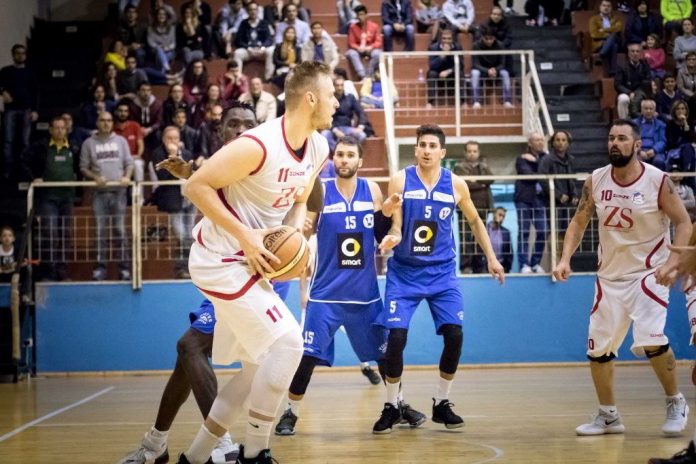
(427, 234)
(344, 268)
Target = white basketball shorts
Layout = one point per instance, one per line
(691, 309)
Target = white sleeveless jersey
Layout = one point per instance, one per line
(262, 199)
(633, 230)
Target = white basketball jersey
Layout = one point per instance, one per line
(633, 230)
(262, 199)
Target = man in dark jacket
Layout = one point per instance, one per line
(169, 200)
(133, 33)
(501, 240)
(441, 68)
(531, 207)
(397, 18)
(343, 119)
(559, 161)
(490, 66)
(633, 83)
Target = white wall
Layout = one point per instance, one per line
(15, 23)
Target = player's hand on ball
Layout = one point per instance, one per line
(177, 167)
(258, 257)
(391, 203)
(389, 242)
(497, 270)
(562, 271)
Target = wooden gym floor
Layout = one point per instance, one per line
(513, 415)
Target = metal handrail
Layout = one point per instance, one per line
(540, 93)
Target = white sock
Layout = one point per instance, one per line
(678, 396)
(202, 446)
(400, 396)
(393, 393)
(258, 434)
(294, 406)
(157, 437)
(364, 365)
(443, 390)
(611, 410)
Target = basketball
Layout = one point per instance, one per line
(291, 248)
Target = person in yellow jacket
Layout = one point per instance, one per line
(673, 12)
(371, 92)
(605, 31)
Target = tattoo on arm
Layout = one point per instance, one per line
(586, 206)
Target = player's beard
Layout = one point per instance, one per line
(618, 160)
(348, 174)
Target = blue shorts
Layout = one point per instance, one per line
(408, 285)
(203, 318)
(369, 341)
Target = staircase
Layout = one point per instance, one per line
(571, 95)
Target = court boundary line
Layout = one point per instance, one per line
(38, 420)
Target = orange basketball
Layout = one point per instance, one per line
(292, 250)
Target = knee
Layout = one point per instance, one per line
(475, 74)
(284, 357)
(623, 99)
(605, 358)
(452, 335)
(186, 346)
(396, 341)
(387, 30)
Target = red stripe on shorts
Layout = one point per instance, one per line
(689, 305)
(648, 264)
(598, 297)
(200, 236)
(649, 292)
(233, 296)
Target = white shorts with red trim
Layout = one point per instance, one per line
(250, 315)
(691, 309)
(618, 303)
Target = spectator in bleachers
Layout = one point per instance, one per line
(684, 43)
(54, 160)
(168, 198)
(191, 37)
(320, 47)
(364, 42)
(254, 41)
(459, 16)
(678, 131)
(560, 161)
(397, 19)
(290, 19)
(605, 31)
(498, 25)
(174, 102)
(189, 136)
(501, 240)
(531, 207)
(652, 135)
(263, 102)
(472, 260)
(233, 83)
(128, 81)
(133, 34)
(146, 110)
(105, 157)
(667, 95)
(195, 82)
(20, 90)
(371, 94)
(212, 97)
(107, 79)
(201, 9)
(161, 4)
(348, 113)
(116, 55)
(273, 13)
(685, 193)
(227, 25)
(539, 12)
(286, 56)
(97, 104)
(133, 133)
(686, 81)
(346, 14)
(632, 82)
(641, 23)
(509, 11)
(211, 137)
(673, 12)
(161, 38)
(348, 85)
(492, 67)
(654, 55)
(441, 68)
(8, 254)
(302, 12)
(76, 135)
(428, 17)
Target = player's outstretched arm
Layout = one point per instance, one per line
(576, 230)
(671, 204)
(232, 163)
(393, 237)
(477, 227)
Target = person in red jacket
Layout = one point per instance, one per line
(364, 42)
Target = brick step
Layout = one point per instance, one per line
(152, 270)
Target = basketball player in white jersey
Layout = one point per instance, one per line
(245, 191)
(635, 203)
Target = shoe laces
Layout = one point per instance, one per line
(673, 409)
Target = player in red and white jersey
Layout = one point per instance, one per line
(635, 203)
(253, 184)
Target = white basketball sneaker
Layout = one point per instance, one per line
(677, 416)
(602, 423)
(147, 455)
(225, 451)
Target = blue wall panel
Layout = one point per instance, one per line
(101, 327)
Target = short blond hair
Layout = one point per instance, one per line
(302, 79)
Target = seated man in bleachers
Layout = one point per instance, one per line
(226, 26)
(491, 67)
(188, 135)
(349, 110)
(459, 16)
(605, 31)
(254, 41)
(364, 41)
(320, 47)
(263, 102)
(652, 135)
(499, 26)
(397, 18)
(146, 110)
(302, 33)
(346, 14)
(667, 96)
(632, 83)
(441, 68)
